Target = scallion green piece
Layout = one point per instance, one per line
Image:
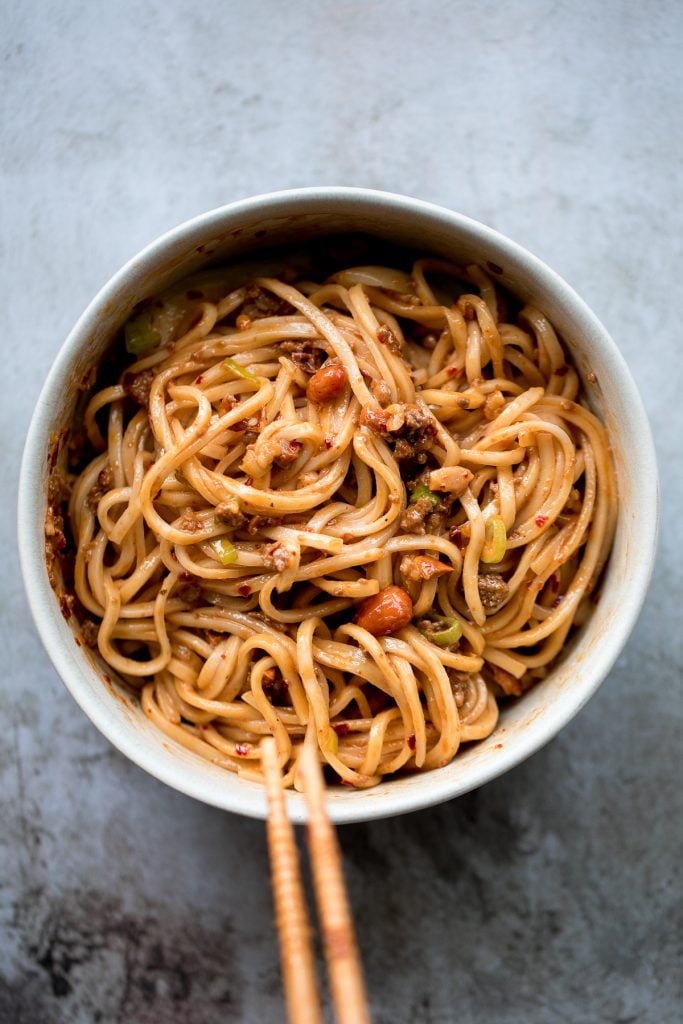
(495, 540)
(450, 635)
(225, 549)
(422, 491)
(241, 371)
(441, 630)
(140, 337)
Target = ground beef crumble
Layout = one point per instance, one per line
(275, 687)
(304, 354)
(261, 303)
(101, 486)
(138, 385)
(423, 517)
(89, 632)
(409, 427)
(259, 522)
(229, 514)
(278, 557)
(415, 517)
(386, 337)
(190, 521)
(492, 590)
(55, 544)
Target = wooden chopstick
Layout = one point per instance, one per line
(291, 915)
(341, 951)
(339, 938)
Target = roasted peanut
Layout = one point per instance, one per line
(422, 567)
(326, 384)
(453, 479)
(494, 404)
(386, 612)
(380, 391)
(396, 417)
(373, 417)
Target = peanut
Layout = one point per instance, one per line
(454, 479)
(327, 384)
(386, 612)
(373, 417)
(422, 567)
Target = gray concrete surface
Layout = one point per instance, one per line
(552, 895)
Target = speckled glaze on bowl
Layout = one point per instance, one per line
(294, 217)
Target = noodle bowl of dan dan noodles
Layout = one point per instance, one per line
(360, 506)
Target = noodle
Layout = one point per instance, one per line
(353, 514)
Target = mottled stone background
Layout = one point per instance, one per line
(552, 895)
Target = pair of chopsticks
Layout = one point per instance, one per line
(291, 914)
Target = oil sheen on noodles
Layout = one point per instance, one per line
(353, 514)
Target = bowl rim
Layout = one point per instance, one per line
(355, 806)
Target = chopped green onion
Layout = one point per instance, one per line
(241, 371)
(225, 549)
(140, 336)
(496, 540)
(422, 491)
(449, 633)
(448, 636)
(159, 322)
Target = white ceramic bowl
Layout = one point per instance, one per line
(295, 217)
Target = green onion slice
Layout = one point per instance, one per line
(448, 636)
(446, 630)
(422, 491)
(225, 549)
(158, 323)
(241, 371)
(140, 337)
(496, 540)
